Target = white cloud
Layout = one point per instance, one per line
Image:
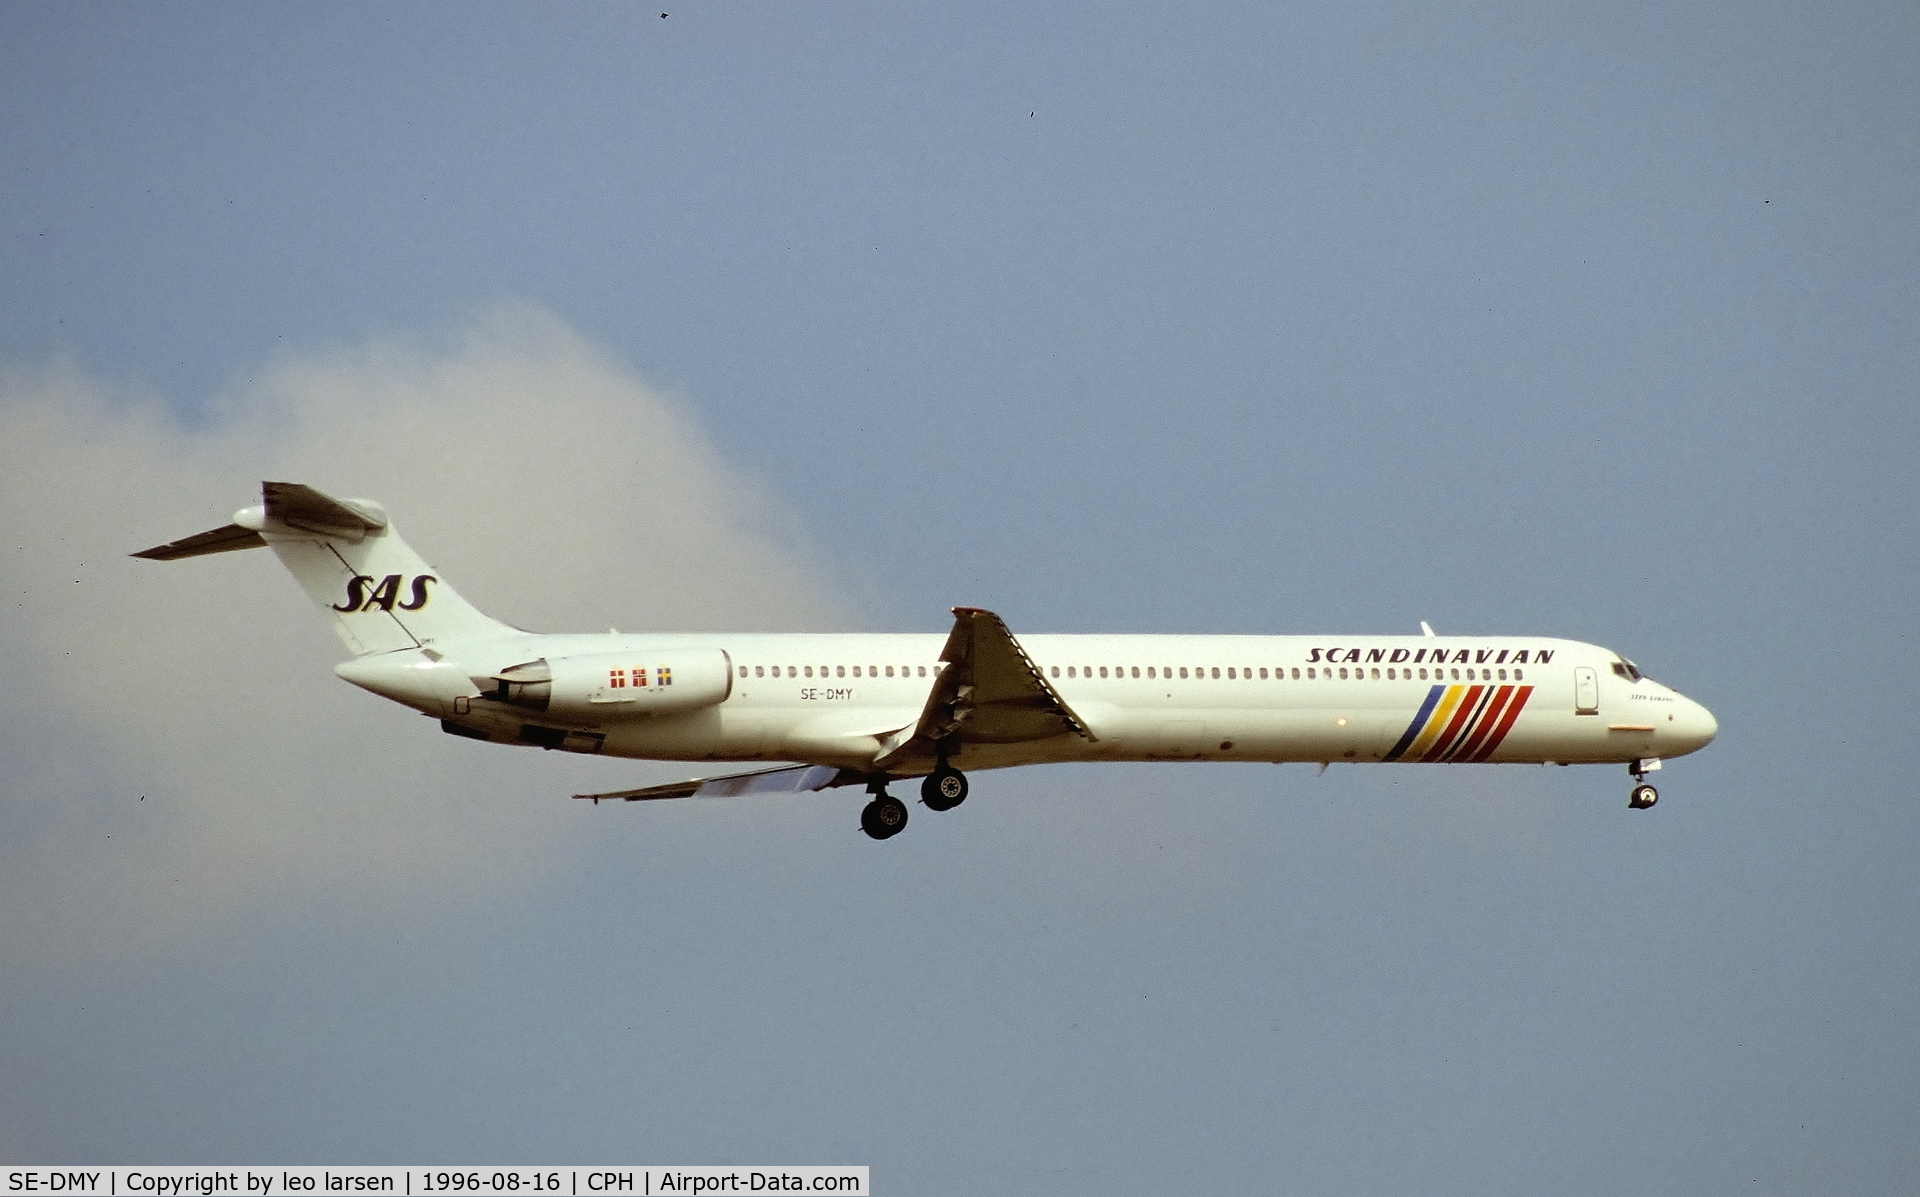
(555, 488)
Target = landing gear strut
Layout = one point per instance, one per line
(884, 817)
(944, 788)
(1643, 795)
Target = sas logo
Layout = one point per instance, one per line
(364, 595)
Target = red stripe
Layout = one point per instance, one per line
(1466, 708)
(1485, 723)
(1506, 723)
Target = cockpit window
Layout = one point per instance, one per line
(1626, 669)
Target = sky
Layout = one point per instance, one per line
(1231, 318)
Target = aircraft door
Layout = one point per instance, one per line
(1586, 692)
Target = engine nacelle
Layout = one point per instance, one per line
(605, 687)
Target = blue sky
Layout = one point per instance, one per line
(1236, 319)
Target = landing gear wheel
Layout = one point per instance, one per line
(884, 817)
(944, 789)
(1643, 796)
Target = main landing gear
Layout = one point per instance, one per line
(1643, 795)
(886, 816)
(944, 788)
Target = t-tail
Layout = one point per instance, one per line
(352, 563)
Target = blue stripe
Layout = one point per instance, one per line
(1419, 721)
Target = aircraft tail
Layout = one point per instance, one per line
(352, 563)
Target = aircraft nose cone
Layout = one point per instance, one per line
(1694, 725)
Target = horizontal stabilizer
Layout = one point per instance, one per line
(221, 540)
(305, 508)
(378, 593)
(793, 779)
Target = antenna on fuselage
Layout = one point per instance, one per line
(1425, 629)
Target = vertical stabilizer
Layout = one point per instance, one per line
(352, 563)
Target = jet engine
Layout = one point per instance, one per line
(608, 687)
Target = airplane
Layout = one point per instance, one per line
(872, 709)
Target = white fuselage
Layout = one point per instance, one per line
(870, 709)
(835, 699)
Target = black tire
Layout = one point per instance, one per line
(884, 817)
(944, 789)
(1643, 797)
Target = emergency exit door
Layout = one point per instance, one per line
(1586, 692)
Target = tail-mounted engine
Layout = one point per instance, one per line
(606, 687)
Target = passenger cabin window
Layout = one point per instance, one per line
(743, 671)
(840, 671)
(1216, 671)
(1056, 671)
(1183, 673)
(1296, 673)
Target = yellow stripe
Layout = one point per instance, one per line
(1436, 723)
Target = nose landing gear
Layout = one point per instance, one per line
(1643, 795)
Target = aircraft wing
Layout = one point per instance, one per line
(991, 692)
(793, 779)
